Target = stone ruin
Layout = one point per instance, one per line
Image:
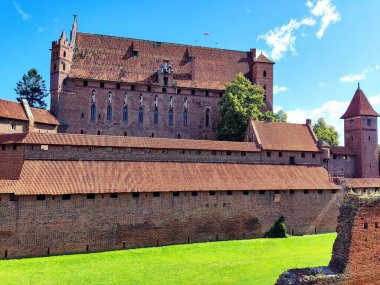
(356, 252)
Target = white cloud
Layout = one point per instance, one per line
(321, 84)
(331, 111)
(282, 39)
(326, 11)
(278, 89)
(24, 15)
(377, 67)
(39, 29)
(354, 77)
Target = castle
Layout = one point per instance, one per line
(126, 157)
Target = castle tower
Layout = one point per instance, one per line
(360, 134)
(61, 59)
(263, 75)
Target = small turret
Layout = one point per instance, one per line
(263, 76)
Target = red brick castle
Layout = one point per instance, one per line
(129, 160)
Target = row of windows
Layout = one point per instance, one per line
(369, 122)
(92, 196)
(140, 118)
(149, 89)
(303, 155)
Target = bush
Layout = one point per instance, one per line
(278, 230)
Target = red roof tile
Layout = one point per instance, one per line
(285, 136)
(363, 183)
(44, 117)
(359, 106)
(263, 59)
(71, 177)
(133, 142)
(110, 58)
(12, 110)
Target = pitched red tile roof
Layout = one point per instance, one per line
(110, 58)
(363, 182)
(14, 110)
(341, 150)
(359, 106)
(44, 117)
(285, 136)
(263, 59)
(72, 177)
(119, 141)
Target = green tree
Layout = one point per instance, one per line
(278, 230)
(243, 100)
(326, 132)
(32, 87)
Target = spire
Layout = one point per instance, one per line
(73, 33)
(62, 38)
(359, 106)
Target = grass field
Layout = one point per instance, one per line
(258, 262)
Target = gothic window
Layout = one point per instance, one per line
(171, 102)
(207, 118)
(93, 96)
(156, 101)
(141, 116)
(109, 113)
(170, 119)
(64, 66)
(109, 97)
(64, 54)
(93, 112)
(155, 116)
(185, 103)
(141, 99)
(185, 118)
(265, 73)
(125, 114)
(13, 126)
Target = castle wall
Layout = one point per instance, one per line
(31, 227)
(77, 99)
(20, 126)
(343, 164)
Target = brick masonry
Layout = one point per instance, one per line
(356, 252)
(55, 226)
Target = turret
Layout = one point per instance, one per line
(360, 134)
(61, 59)
(262, 74)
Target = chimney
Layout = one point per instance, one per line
(193, 71)
(28, 112)
(253, 53)
(308, 122)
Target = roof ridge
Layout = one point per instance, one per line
(170, 43)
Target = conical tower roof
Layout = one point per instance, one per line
(359, 106)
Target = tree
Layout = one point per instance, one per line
(278, 230)
(240, 101)
(325, 132)
(32, 87)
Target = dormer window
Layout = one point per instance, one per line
(135, 54)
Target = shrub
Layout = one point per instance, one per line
(278, 230)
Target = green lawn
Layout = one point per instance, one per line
(257, 261)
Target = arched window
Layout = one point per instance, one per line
(185, 118)
(170, 119)
(81, 132)
(178, 136)
(185, 103)
(93, 112)
(13, 126)
(141, 100)
(155, 116)
(207, 118)
(93, 96)
(125, 99)
(125, 114)
(110, 97)
(64, 54)
(125, 133)
(109, 113)
(156, 101)
(265, 87)
(170, 102)
(98, 133)
(141, 116)
(265, 73)
(64, 66)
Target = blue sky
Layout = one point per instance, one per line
(322, 48)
